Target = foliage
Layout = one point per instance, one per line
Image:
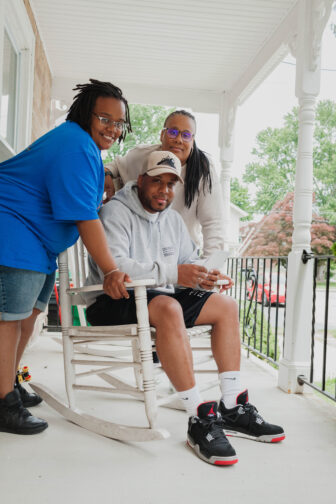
(333, 28)
(147, 123)
(333, 25)
(257, 334)
(240, 197)
(325, 160)
(273, 235)
(330, 386)
(273, 172)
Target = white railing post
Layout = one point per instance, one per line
(69, 368)
(313, 15)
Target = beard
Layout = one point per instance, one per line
(147, 204)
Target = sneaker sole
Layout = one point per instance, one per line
(30, 404)
(214, 460)
(266, 438)
(24, 432)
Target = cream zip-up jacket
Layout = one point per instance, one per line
(203, 219)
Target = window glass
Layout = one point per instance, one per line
(8, 97)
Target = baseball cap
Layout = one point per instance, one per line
(163, 162)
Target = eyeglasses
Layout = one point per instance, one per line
(105, 121)
(186, 135)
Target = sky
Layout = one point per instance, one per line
(268, 105)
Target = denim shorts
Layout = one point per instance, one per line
(22, 290)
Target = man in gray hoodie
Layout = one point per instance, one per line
(149, 240)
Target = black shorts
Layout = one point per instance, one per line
(108, 311)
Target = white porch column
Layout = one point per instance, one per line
(313, 15)
(227, 117)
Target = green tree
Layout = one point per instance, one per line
(325, 160)
(273, 172)
(147, 123)
(240, 197)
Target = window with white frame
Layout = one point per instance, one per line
(17, 44)
(8, 91)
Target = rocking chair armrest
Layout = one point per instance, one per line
(136, 283)
(99, 287)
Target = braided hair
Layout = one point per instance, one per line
(84, 102)
(198, 167)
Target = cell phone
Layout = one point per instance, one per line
(216, 260)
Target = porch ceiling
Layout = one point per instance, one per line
(152, 48)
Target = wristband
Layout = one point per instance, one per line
(112, 271)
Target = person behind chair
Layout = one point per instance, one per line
(199, 199)
(49, 194)
(148, 239)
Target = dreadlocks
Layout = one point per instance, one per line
(85, 100)
(198, 167)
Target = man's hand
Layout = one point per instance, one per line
(191, 275)
(209, 282)
(109, 188)
(114, 285)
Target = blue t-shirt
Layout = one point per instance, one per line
(44, 190)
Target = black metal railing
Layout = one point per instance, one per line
(262, 315)
(260, 290)
(323, 336)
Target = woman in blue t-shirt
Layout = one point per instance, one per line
(49, 195)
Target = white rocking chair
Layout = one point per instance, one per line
(107, 350)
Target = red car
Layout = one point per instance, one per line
(267, 293)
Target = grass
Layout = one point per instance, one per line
(332, 285)
(332, 332)
(258, 337)
(329, 386)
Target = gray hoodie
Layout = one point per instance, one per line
(144, 245)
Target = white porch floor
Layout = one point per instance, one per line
(70, 465)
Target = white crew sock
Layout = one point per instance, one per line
(230, 387)
(190, 399)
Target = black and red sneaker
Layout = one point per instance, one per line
(206, 436)
(244, 421)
